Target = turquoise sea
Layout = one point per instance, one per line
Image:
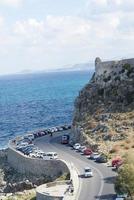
(34, 101)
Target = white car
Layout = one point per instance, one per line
(33, 155)
(39, 153)
(88, 172)
(22, 144)
(60, 129)
(121, 196)
(77, 146)
(82, 148)
(50, 156)
(55, 129)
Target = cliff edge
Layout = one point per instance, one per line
(104, 109)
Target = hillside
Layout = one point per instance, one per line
(104, 109)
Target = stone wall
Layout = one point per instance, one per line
(110, 66)
(40, 196)
(33, 166)
(50, 191)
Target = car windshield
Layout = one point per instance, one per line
(87, 170)
(49, 154)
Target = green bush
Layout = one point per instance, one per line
(125, 180)
(130, 97)
(126, 66)
(101, 91)
(117, 78)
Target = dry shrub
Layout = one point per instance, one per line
(131, 115)
(126, 147)
(115, 149)
(128, 141)
(122, 145)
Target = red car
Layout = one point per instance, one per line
(117, 162)
(87, 151)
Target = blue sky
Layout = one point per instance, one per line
(49, 34)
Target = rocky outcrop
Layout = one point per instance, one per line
(104, 109)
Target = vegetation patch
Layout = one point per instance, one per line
(26, 195)
(124, 183)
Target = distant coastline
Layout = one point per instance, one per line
(66, 68)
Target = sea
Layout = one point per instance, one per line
(29, 102)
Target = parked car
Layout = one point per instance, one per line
(39, 153)
(82, 149)
(101, 159)
(24, 150)
(55, 129)
(33, 155)
(60, 129)
(29, 136)
(65, 127)
(69, 126)
(21, 145)
(117, 162)
(121, 196)
(45, 132)
(20, 148)
(88, 172)
(36, 135)
(52, 130)
(18, 142)
(28, 151)
(87, 151)
(50, 156)
(22, 141)
(94, 155)
(76, 146)
(42, 133)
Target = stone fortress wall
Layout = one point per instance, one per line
(112, 71)
(111, 66)
(26, 165)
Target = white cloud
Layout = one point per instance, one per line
(107, 30)
(103, 6)
(60, 31)
(74, 36)
(14, 3)
(67, 35)
(1, 21)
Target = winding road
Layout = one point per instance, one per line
(99, 187)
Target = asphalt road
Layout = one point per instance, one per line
(99, 187)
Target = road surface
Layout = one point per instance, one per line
(99, 187)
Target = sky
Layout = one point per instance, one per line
(50, 34)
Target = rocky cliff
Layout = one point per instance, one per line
(104, 109)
